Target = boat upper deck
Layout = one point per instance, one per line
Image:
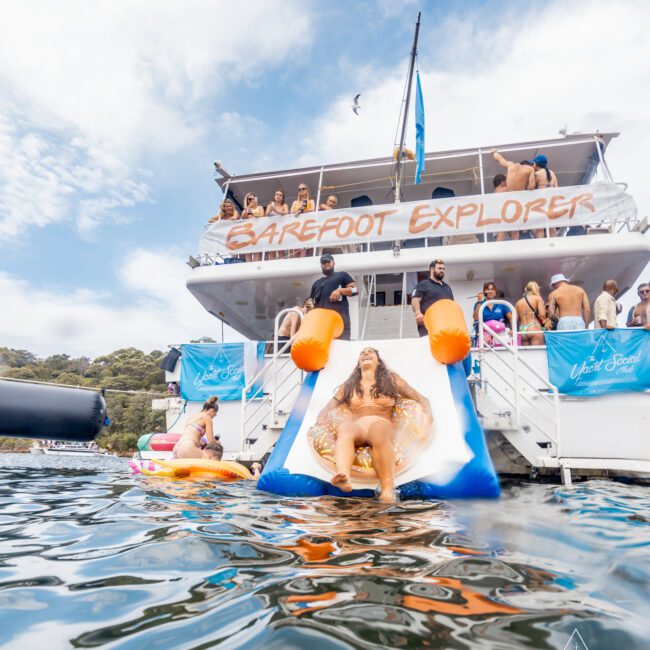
(275, 255)
(466, 172)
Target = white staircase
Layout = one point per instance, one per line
(384, 323)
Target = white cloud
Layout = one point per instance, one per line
(513, 77)
(158, 311)
(91, 89)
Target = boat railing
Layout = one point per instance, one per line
(268, 396)
(532, 408)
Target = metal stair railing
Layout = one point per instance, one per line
(257, 406)
(370, 286)
(520, 384)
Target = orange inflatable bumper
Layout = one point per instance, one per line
(311, 346)
(448, 335)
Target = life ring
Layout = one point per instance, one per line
(411, 437)
(218, 470)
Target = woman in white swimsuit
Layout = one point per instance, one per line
(370, 393)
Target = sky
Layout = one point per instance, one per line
(112, 113)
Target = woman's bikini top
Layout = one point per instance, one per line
(383, 401)
(196, 426)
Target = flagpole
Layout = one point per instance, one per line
(398, 167)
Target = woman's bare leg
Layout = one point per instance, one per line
(380, 437)
(344, 455)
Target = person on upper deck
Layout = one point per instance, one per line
(332, 291)
(251, 207)
(499, 183)
(303, 203)
(227, 212)
(499, 313)
(331, 203)
(531, 315)
(605, 307)
(544, 178)
(569, 303)
(520, 176)
(428, 291)
(277, 207)
(252, 210)
(639, 315)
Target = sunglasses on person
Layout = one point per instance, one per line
(251, 198)
(644, 291)
(302, 189)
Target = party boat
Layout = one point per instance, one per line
(452, 214)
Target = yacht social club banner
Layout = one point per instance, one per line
(596, 362)
(221, 369)
(552, 207)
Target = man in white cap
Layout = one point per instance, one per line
(570, 303)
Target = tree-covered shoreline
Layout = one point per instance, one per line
(127, 369)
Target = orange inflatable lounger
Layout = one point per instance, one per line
(311, 346)
(219, 470)
(448, 335)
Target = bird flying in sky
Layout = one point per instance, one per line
(355, 104)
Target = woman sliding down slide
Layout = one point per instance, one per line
(370, 394)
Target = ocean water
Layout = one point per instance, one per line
(91, 556)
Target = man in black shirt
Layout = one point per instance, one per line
(332, 291)
(428, 291)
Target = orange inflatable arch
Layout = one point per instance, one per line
(448, 336)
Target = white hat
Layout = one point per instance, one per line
(558, 277)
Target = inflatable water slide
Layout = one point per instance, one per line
(446, 460)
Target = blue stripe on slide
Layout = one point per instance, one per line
(275, 477)
(477, 479)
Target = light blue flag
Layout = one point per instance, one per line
(419, 130)
(221, 369)
(597, 362)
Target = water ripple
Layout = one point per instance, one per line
(92, 557)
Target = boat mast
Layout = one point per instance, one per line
(398, 166)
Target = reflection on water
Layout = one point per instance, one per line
(90, 556)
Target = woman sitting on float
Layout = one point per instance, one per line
(496, 317)
(366, 403)
(190, 444)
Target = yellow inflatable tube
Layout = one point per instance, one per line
(220, 470)
(310, 348)
(448, 336)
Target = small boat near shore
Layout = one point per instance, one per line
(59, 448)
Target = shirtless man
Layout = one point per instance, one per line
(639, 315)
(291, 322)
(520, 176)
(499, 182)
(569, 303)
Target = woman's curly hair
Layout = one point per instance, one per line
(384, 382)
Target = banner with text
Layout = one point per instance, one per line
(596, 362)
(221, 369)
(552, 207)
